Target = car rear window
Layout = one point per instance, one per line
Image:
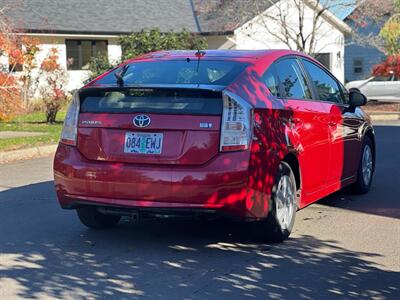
(162, 101)
(190, 71)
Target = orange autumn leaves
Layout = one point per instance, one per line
(50, 63)
(20, 51)
(10, 97)
(389, 67)
(24, 77)
(52, 87)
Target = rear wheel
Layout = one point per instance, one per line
(365, 168)
(283, 205)
(92, 218)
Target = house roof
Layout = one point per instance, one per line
(127, 16)
(217, 16)
(100, 16)
(226, 16)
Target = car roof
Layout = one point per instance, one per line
(241, 55)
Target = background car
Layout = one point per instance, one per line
(252, 135)
(378, 88)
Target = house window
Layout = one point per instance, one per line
(79, 52)
(324, 59)
(358, 65)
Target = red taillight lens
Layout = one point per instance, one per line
(236, 129)
(70, 128)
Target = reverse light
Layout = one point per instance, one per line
(236, 128)
(70, 128)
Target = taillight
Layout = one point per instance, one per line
(236, 126)
(70, 128)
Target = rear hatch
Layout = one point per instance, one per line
(170, 126)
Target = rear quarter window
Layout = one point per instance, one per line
(285, 79)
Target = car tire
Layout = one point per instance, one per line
(282, 210)
(366, 168)
(92, 218)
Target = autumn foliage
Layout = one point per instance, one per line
(52, 85)
(15, 88)
(10, 97)
(391, 66)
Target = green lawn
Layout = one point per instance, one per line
(34, 122)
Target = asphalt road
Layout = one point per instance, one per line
(345, 246)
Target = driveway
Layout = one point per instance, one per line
(345, 246)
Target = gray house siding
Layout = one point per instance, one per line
(359, 60)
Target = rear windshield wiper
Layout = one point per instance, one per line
(119, 74)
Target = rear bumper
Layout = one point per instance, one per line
(220, 185)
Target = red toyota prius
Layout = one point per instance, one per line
(252, 135)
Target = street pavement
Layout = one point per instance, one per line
(345, 247)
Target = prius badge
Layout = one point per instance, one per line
(141, 121)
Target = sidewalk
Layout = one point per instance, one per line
(384, 116)
(14, 134)
(28, 153)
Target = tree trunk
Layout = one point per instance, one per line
(51, 115)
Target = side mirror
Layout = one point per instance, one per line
(357, 98)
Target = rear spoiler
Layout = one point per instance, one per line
(213, 88)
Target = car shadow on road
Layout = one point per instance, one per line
(45, 252)
(383, 198)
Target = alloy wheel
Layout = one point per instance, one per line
(367, 164)
(285, 200)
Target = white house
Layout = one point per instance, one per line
(263, 30)
(80, 29)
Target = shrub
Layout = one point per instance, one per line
(52, 86)
(142, 42)
(97, 66)
(388, 67)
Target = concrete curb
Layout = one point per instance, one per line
(29, 153)
(384, 116)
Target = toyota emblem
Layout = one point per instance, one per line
(141, 121)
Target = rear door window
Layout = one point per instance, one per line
(292, 80)
(179, 72)
(326, 86)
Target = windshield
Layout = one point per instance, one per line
(178, 72)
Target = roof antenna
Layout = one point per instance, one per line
(120, 74)
(199, 54)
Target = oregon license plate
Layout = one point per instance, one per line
(143, 143)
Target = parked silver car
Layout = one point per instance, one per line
(378, 88)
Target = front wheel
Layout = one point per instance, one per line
(283, 205)
(92, 218)
(365, 168)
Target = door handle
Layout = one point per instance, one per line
(296, 121)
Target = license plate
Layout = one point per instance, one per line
(143, 143)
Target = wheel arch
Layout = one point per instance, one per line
(292, 160)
